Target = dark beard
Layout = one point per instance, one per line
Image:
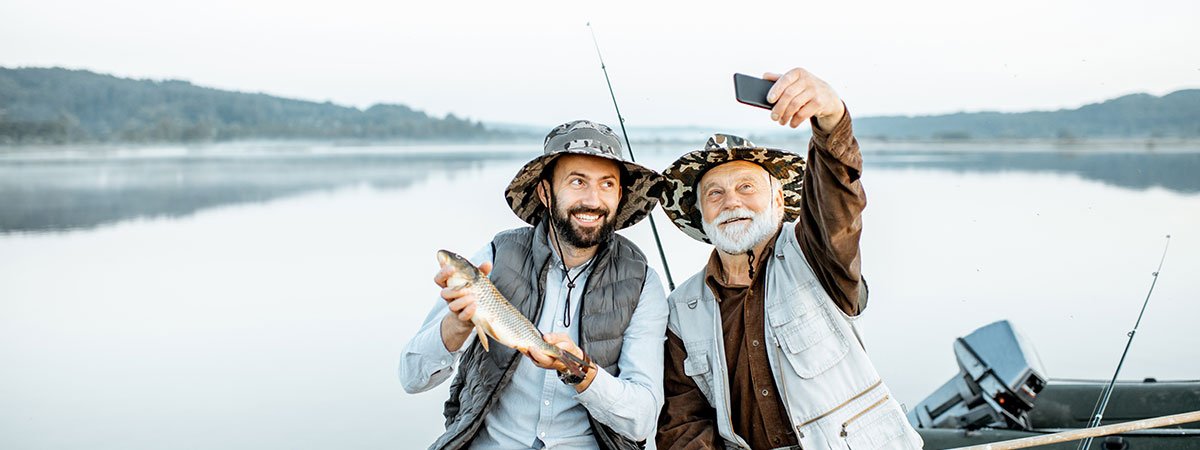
(579, 238)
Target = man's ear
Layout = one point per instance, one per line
(541, 188)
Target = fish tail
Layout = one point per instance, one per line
(574, 365)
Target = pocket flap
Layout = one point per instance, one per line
(696, 364)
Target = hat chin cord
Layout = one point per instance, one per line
(566, 318)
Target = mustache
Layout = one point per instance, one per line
(599, 211)
(725, 216)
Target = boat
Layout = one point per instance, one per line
(1002, 393)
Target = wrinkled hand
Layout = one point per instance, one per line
(460, 302)
(799, 95)
(559, 340)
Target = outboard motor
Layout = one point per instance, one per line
(999, 377)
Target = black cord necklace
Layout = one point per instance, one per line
(566, 320)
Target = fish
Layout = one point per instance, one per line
(498, 319)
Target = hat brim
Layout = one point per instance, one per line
(679, 192)
(641, 191)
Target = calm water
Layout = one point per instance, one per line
(258, 296)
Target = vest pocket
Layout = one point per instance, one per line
(696, 365)
(810, 342)
(877, 426)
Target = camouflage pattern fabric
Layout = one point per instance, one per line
(641, 187)
(679, 196)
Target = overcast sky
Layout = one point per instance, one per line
(671, 62)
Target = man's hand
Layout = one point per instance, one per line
(799, 95)
(457, 326)
(565, 343)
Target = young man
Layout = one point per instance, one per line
(762, 351)
(578, 282)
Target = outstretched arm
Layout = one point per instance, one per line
(830, 222)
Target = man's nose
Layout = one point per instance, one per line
(591, 197)
(731, 202)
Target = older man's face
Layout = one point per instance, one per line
(740, 206)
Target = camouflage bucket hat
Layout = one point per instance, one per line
(679, 194)
(641, 187)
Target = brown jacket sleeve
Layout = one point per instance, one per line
(687, 420)
(830, 221)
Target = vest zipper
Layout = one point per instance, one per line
(847, 402)
(861, 413)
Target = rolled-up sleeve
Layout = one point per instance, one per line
(426, 362)
(630, 403)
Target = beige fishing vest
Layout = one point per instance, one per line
(834, 397)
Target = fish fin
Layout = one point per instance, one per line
(483, 337)
(574, 364)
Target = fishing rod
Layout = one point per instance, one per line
(1102, 401)
(628, 146)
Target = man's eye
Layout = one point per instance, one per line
(576, 182)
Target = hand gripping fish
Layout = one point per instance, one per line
(496, 317)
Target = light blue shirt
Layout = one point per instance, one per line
(628, 404)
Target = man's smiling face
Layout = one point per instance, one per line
(587, 193)
(739, 205)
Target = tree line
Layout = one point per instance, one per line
(54, 105)
(1175, 115)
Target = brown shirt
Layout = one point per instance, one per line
(828, 230)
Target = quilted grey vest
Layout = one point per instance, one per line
(521, 260)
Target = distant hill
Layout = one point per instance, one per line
(53, 105)
(1175, 115)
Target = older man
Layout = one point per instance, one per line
(578, 282)
(762, 351)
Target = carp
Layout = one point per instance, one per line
(498, 319)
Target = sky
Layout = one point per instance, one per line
(671, 63)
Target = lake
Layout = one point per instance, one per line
(258, 295)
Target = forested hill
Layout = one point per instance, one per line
(52, 105)
(1175, 115)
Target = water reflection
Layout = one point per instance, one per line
(1179, 172)
(49, 193)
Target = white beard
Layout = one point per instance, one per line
(736, 239)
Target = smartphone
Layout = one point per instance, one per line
(752, 91)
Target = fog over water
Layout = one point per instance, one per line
(258, 295)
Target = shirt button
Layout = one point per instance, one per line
(542, 434)
(765, 393)
(546, 402)
(754, 342)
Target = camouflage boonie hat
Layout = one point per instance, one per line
(679, 195)
(641, 187)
